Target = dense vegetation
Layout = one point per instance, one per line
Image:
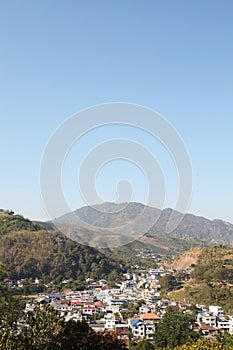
(48, 331)
(10, 222)
(30, 252)
(205, 344)
(11, 306)
(174, 329)
(215, 264)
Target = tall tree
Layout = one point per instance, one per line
(11, 306)
(174, 329)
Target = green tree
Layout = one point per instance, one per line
(203, 344)
(44, 330)
(226, 339)
(167, 282)
(48, 331)
(144, 344)
(11, 306)
(174, 329)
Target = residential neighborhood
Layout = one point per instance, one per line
(132, 309)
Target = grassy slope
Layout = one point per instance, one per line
(212, 279)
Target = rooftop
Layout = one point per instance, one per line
(150, 316)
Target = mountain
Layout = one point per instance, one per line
(122, 223)
(29, 251)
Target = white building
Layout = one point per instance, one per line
(216, 310)
(110, 321)
(223, 324)
(138, 328)
(207, 317)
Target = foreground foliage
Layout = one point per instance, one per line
(48, 331)
(204, 344)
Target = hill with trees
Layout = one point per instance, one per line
(211, 281)
(29, 251)
(11, 222)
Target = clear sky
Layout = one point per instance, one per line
(58, 57)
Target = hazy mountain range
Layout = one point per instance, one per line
(39, 250)
(125, 222)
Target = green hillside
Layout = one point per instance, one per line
(28, 251)
(212, 279)
(10, 222)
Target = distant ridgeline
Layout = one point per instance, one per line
(112, 215)
(36, 249)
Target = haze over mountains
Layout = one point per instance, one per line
(39, 250)
(123, 223)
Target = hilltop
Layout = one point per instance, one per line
(10, 222)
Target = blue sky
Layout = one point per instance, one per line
(58, 57)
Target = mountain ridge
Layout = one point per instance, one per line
(136, 219)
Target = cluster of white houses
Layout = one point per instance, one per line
(106, 308)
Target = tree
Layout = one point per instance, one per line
(144, 344)
(46, 330)
(11, 306)
(167, 282)
(174, 329)
(204, 344)
(226, 339)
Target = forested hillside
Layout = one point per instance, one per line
(10, 222)
(29, 251)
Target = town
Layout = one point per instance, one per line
(131, 309)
